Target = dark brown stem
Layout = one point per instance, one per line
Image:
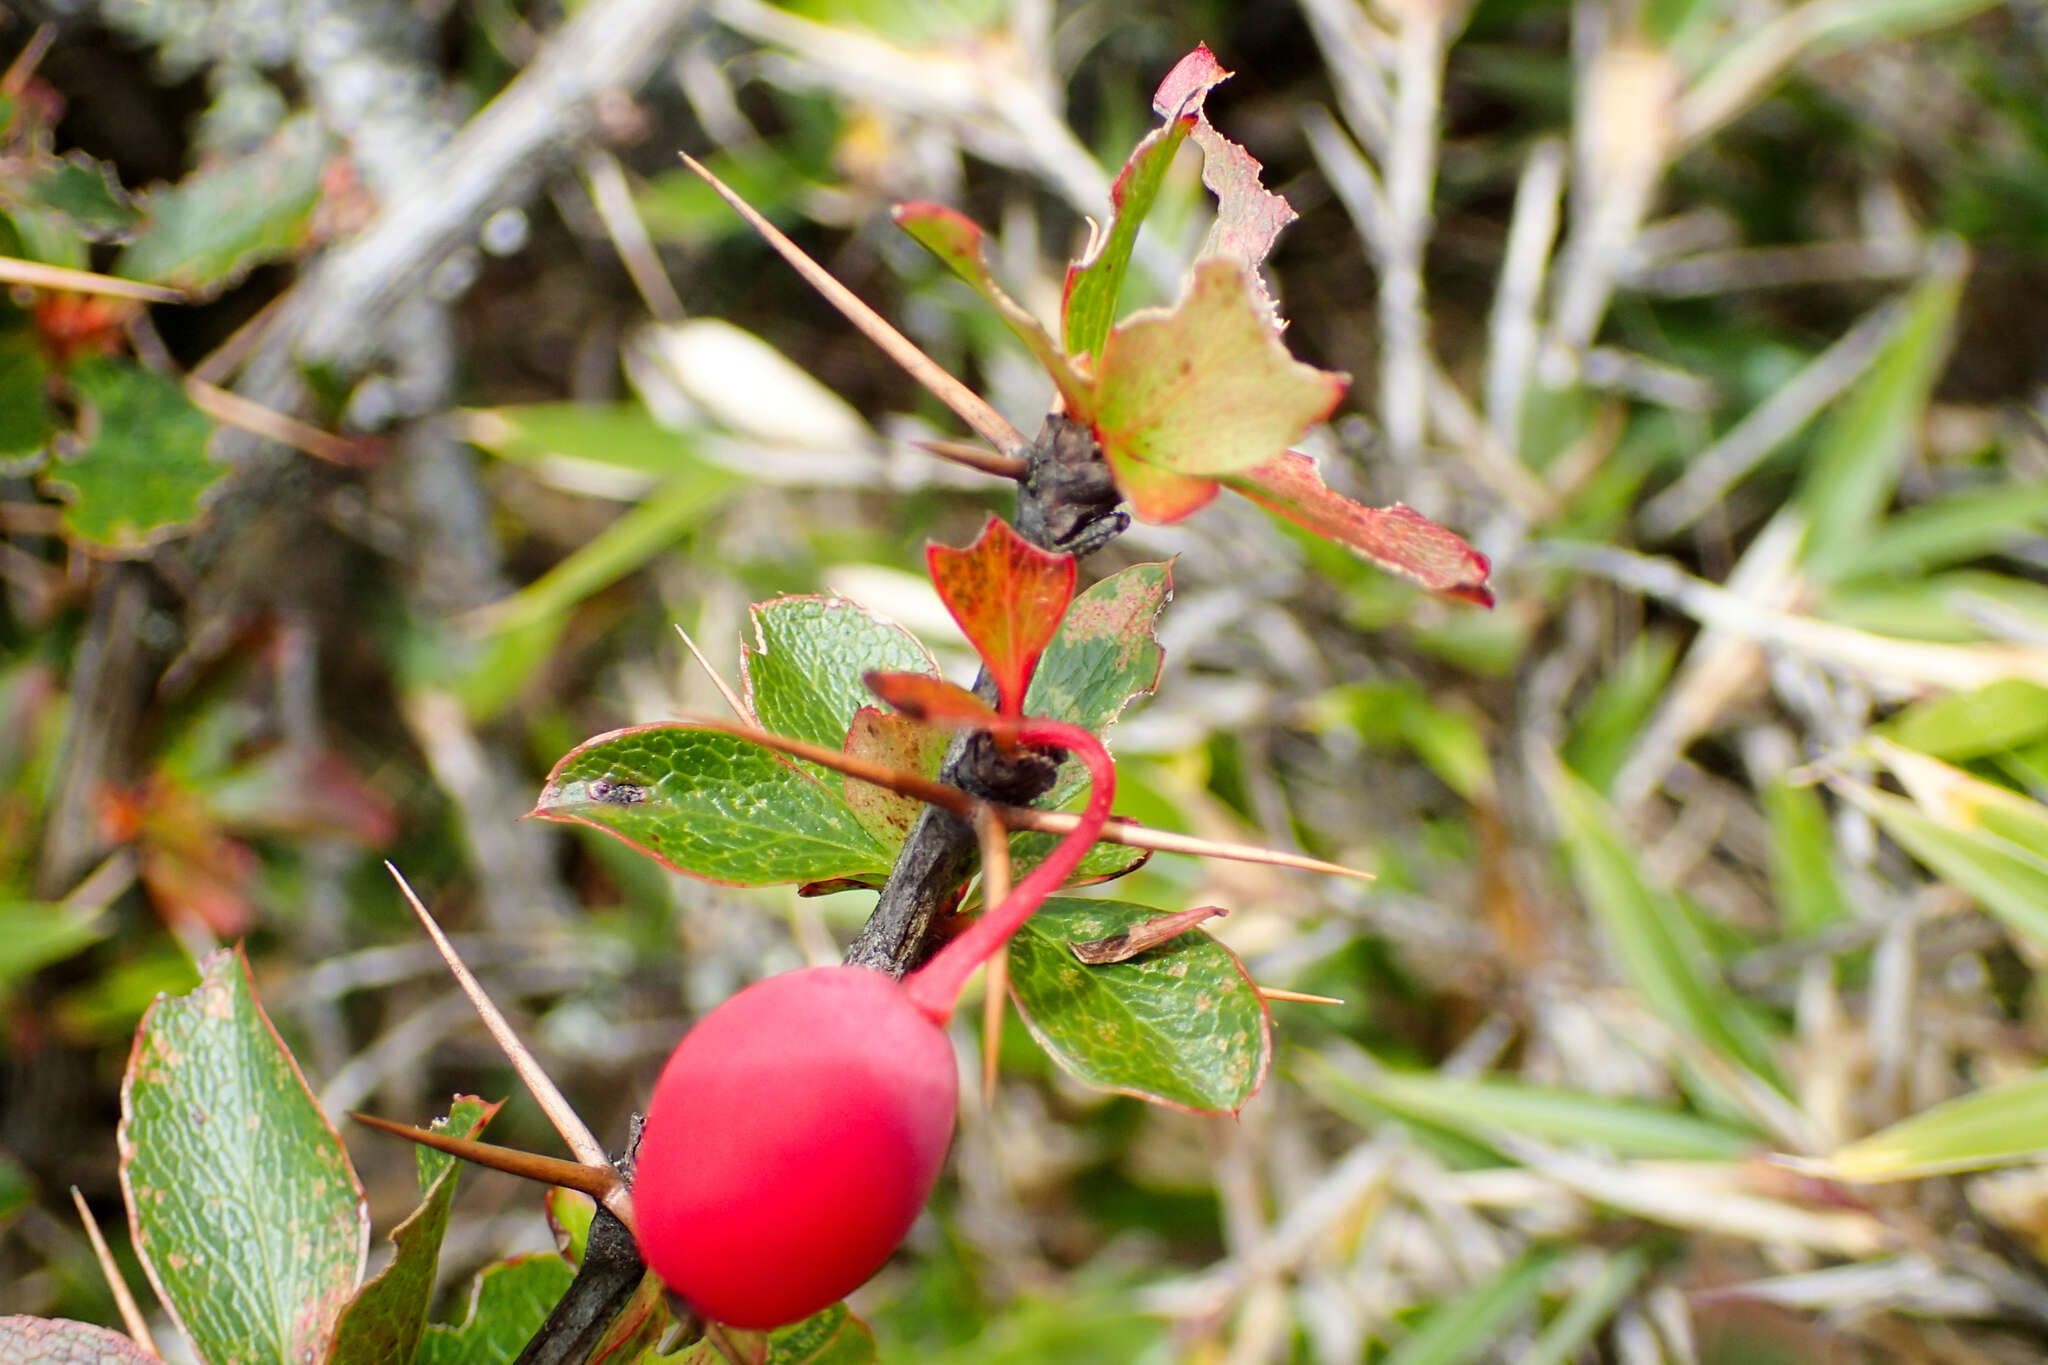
(1066, 503)
(604, 1283)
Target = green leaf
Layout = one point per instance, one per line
(506, 1307)
(1181, 1024)
(74, 191)
(613, 436)
(1205, 388)
(1483, 1109)
(247, 1214)
(712, 805)
(801, 675)
(1950, 530)
(1965, 725)
(1642, 923)
(1855, 465)
(384, 1322)
(957, 241)
(1104, 862)
(1566, 1336)
(1962, 801)
(570, 1213)
(1449, 739)
(205, 232)
(1087, 1328)
(1994, 1127)
(1805, 876)
(1462, 1328)
(143, 472)
(34, 934)
(17, 1190)
(678, 506)
(1102, 657)
(58, 1341)
(26, 424)
(831, 1337)
(1095, 283)
(2010, 882)
(1605, 727)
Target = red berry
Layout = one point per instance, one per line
(792, 1139)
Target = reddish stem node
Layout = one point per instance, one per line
(935, 987)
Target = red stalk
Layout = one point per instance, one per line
(935, 987)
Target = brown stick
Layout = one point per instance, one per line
(968, 405)
(951, 799)
(601, 1183)
(124, 1300)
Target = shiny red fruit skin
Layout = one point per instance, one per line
(794, 1135)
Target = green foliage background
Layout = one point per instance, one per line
(1722, 836)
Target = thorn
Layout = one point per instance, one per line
(577, 1137)
(968, 405)
(714, 1333)
(1129, 833)
(601, 1183)
(739, 708)
(1299, 997)
(36, 275)
(995, 887)
(131, 1313)
(232, 410)
(17, 75)
(974, 457)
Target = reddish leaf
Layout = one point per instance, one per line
(1399, 539)
(1191, 79)
(1204, 389)
(1009, 597)
(893, 740)
(922, 697)
(1157, 495)
(1248, 215)
(1096, 280)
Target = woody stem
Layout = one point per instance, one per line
(935, 987)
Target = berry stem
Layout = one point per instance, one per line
(935, 987)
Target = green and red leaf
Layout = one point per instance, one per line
(385, 1319)
(801, 674)
(1009, 597)
(713, 806)
(60, 1341)
(245, 1210)
(1205, 388)
(1248, 216)
(1399, 539)
(1104, 657)
(898, 741)
(1180, 1025)
(507, 1305)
